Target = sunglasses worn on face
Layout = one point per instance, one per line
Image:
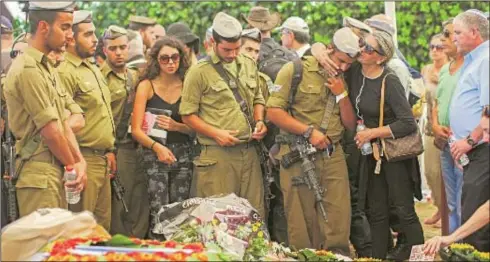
(165, 59)
(437, 47)
(369, 49)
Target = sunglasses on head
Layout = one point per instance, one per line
(369, 49)
(437, 47)
(165, 59)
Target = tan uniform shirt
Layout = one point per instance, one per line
(118, 86)
(208, 96)
(35, 97)
(86, 84)
(265, 84)
(311, 97)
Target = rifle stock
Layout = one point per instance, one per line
(10, 176)
(118, 190)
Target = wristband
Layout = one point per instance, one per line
(153, 144)
(341, 96)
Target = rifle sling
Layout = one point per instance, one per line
(122, 128)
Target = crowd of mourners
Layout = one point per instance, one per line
(142, 104)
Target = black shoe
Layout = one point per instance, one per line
(400, 253)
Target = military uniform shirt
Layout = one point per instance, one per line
(86, 84)
(311, 97)
(265, 84)
(208, 96)
(35, 97)
(119, 94)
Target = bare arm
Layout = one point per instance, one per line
(139, 107)
(57, 143)
(285, 121)
(80, 164)
(347, 114)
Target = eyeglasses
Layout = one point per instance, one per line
(369, 49)
(165, 59)
(446, 33)
(437, 47)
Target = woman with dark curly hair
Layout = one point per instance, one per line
(167, 162)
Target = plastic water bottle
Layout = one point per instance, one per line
(72, 196)
(464, 160)
(366, 149)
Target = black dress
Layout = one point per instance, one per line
(388, 198)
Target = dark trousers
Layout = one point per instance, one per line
(391, 193)
(475, 193)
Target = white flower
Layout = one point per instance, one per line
(223, 226)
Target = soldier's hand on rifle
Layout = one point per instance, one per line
(226, 137)
(318, 139)
(111, 161)
(81, 181)
(336, 85)
(164, 154)
(260, 131)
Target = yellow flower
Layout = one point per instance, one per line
(260, 234)
(255, 228)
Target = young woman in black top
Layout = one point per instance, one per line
(168, 167)
(389, 196)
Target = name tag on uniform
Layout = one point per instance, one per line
(274, 88)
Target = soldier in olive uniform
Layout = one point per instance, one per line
(86, 84)
(122, 83)
(145, 27)
(320, 103)
(228, 162)
(37, 102)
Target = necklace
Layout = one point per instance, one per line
(358, 98)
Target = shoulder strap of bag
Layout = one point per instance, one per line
(382, 101)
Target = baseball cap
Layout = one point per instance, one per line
(296, 24)
(82, 16)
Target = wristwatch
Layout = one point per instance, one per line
(470, 141)
(308, 132)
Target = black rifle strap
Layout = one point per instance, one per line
(122, 128)
(295, 81)
(234, 84)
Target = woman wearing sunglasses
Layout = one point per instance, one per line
(168, 166)
(432, 155)
(388, 195)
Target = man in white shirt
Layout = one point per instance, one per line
(295, 35)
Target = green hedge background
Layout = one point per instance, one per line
(416, 21)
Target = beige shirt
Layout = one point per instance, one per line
(208, 96)
(88, 87)
(35, 97)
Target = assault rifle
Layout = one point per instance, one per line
(266, 168)
(118, 190)
(10, 176)
(303, 151)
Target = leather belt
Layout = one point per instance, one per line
(87, 151)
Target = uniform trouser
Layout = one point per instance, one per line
(96, 197)
(475, 193)
(165, 185)
(453, 183)
(40, 185)
(133, 179)
(391, 193)
(277, 222)
(360, 232)
(225, 170)
(432, 164)
(306, 226)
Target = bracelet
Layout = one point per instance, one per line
(260, 120)
(153, 144)
(341, 96)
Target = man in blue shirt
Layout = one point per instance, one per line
(471, 30)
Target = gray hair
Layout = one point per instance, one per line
(475, 19)
(385, 42)
(302, 38)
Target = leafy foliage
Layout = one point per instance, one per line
(416, 21)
